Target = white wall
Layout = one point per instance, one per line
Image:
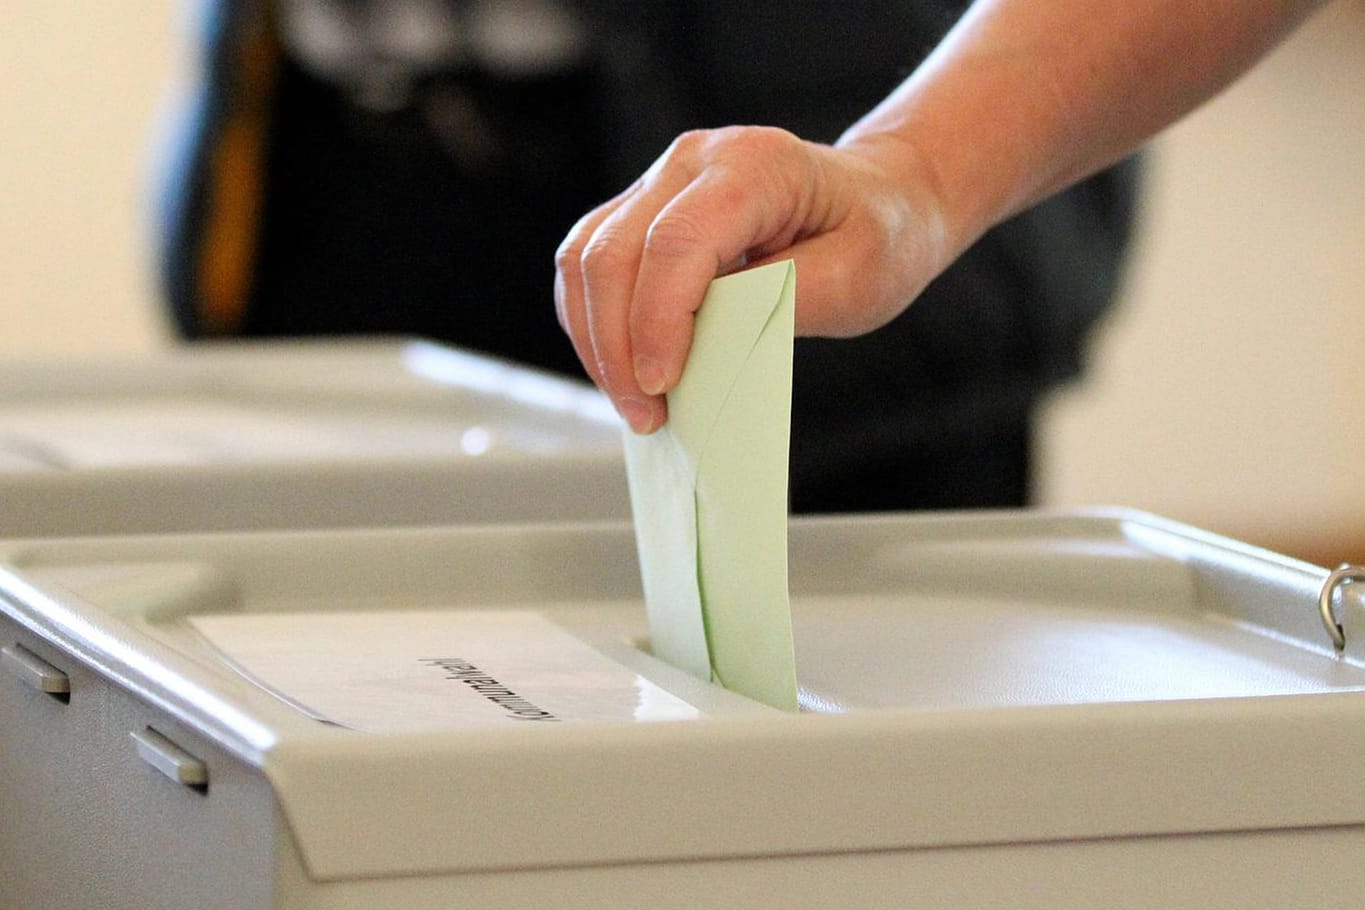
(1224, 392)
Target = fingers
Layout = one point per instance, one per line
(568, 285)
(573, 318)
(632, 273)
(705, 231)
(597, 265)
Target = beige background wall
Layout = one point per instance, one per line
(1225, 392)
(80, 85)
(1226, 389)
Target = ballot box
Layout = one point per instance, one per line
(294, 434)
(1060, 710)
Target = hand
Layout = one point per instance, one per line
(860, 220)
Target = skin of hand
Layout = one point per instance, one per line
(1019, 101)
(632, 273)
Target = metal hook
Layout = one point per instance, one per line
(1340, 576)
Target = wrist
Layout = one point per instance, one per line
(900, 163)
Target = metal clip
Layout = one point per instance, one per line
(1340, 576)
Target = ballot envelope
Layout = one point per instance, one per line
(1036, 709)
(303, 433)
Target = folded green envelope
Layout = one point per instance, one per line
(709, 494)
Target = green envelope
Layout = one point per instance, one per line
(709, 494)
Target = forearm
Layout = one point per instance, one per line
(1021, 99)
(1024, 98)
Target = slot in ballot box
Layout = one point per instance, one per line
(296, 434)
(1058, 710)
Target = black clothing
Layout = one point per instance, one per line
(440, 218)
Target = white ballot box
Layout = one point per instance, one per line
(1053, 710)
(298, 434)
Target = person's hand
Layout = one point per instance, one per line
(1011, 107)
(860, 220)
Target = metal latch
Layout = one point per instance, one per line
(1341, 575)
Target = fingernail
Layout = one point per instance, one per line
(636, 413)
(649, 373)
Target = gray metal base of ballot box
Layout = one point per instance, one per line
(1025, 710)
(300, 434)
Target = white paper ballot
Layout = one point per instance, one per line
(439, 669)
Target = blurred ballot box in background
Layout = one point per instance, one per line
(1221, 391)
(298, 434)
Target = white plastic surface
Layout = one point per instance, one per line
(969, 680)
(299, 434)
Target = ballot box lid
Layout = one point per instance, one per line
(299, 433)
(967, 679)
